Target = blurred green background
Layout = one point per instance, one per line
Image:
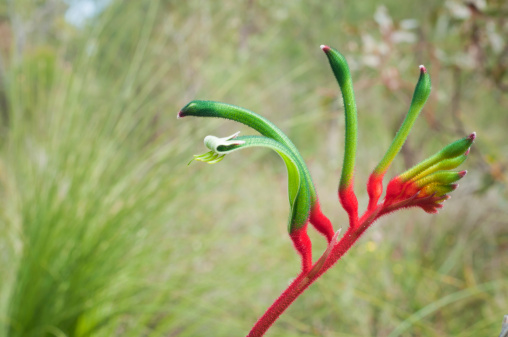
(105, 230)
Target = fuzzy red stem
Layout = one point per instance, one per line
(306, 278)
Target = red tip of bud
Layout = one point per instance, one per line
(180, 114)
(472, 136)
(325, 48)
(462, 173)
(423, 70)
(454, 186)
(467, 152)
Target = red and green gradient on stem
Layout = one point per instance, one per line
(420, 96)
(341, 71)
(426, 185)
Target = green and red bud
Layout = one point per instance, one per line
(399, 190)
(420, 96)
(430, 177)
(341, 71)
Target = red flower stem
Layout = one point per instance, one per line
(306, 278)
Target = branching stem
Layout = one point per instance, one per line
(305, 279)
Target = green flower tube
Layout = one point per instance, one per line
(420, 96)
(201, 108)
(298, 187)
(341, 71)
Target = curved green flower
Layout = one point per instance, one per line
(420, 96)
(298, 187)
(299, 191)
(201, 108)
(257, 122)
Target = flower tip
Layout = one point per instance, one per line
(467, 152)
(423, 70)
(472, 136)
(180, 114)
(462, 173)
(324, 47)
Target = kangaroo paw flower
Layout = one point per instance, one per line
(430, 181)
(426, 185)
(341, 71)
(420, 96)
(199, 108)
(298, 186)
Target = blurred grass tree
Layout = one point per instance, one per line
(96, 236)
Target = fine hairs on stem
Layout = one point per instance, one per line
(426, 185)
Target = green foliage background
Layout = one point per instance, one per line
(105, 230)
